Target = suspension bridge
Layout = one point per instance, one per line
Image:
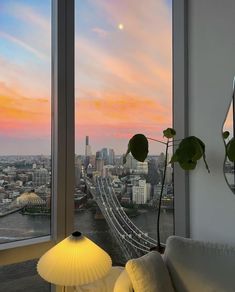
(132, 241)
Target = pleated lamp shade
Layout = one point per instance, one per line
(74, 261)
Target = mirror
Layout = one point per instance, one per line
(228, 136)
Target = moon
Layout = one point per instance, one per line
(120, 26)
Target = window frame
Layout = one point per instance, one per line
(63, 131)
(180, 113)
(62, 141)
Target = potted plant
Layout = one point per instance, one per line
(187, 153)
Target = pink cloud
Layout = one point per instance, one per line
(23, 44)
(100, 32)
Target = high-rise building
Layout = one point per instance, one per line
(88, 152)
(142, 167)
(104, 155)
(141, 192)
(87, 147)
(153, 173)
(98, 155)
(111, 157)
(99, 165)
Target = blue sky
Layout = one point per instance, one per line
(123, 76)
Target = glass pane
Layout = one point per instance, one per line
(123, 87)
(22, 277)
(25, 119)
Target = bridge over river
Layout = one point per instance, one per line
(133, 241)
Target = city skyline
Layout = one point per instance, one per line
(123, 73)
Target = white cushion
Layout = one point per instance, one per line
(149, 274)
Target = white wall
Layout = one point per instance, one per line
(211, 71)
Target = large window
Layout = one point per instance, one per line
(25, 119)
(123, 87)
(123, 74)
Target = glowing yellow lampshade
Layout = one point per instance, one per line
(74, 261)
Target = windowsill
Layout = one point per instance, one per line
(25, 242)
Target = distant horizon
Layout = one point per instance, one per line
(41, 154)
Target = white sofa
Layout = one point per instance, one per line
(186, 266)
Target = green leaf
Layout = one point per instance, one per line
(188, 165)
(169, 133)
(138, 146)
(231, 150)
(226, 134)
(190, 148)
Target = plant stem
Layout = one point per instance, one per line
(156, 140)
(160, 198)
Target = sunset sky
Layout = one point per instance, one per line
(123, 73)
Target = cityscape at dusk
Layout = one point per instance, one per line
(102, 184)
(117, 147)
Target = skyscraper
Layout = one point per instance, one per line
(141, 192)
(99, 165)
(111, 157)
(87, 147)
(104, 155)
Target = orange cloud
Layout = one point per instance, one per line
(119, 117)
(112, 108)
(23, 116)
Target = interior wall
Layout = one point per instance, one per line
(211, 71)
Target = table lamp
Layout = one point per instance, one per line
(74, 261)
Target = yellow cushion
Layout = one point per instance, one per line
(123, 283)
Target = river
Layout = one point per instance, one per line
(17, 226)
